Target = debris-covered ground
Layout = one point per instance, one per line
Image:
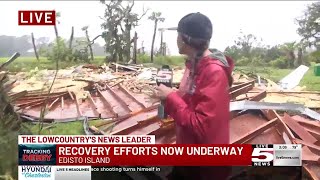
(264, 112)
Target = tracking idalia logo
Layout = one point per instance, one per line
(38, 17)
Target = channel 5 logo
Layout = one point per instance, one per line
(39, 17)
(262, 155)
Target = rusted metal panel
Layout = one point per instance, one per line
(307, 122)
(312, 147)
(252, 134)
(309, 156)
(243, 124)
(298, 129)
(107, 104)
(285, 127)
(313, 170)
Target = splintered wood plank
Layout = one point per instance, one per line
(62, 103)
(96, 130)
(122, 124)
(70, 94)
(131, 103)
(77, 105)
(48, 98)
(241, 90)
(18, 95)
(131, 96)
(53, 103)
(127, 116)
(285, 127)
(94, 106)
(117, 83)
(138, 128)
(259, 96)
(298, 129)
(238, 86)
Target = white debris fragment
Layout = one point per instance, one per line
(146, 74)
(293, 79)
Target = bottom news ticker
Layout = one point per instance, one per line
(81, 157)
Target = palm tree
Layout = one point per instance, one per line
(289, 49)
(156, 17)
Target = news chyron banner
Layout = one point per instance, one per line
(76, 157)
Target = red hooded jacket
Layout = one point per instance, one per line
(203, 117)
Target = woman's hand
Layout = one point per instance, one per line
(163, 91)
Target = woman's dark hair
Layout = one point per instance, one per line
(200, 45)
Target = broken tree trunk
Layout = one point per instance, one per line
(71, 38)
(161, 44)
(135, 48)
(89, 45)
(153, 38)
(299, 59)
(128, 41)
(34, 47)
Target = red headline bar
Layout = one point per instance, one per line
(154, 155)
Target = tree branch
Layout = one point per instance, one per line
(121, 28)
(143, 14)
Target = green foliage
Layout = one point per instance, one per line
(279, 63)
(59, 51)
(234, 52)
(243, 61)
(118, 22)
(156, 16)
(315, 57)
(161, 60)
(310, 24)
(143, 58)
(257, 61)
(273, 53)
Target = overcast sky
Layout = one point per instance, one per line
(273, 21)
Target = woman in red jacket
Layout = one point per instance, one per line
(200, 107)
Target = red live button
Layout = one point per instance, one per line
(43, 18)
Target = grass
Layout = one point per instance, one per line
(311, 82)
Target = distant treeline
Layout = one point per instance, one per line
(23, 45)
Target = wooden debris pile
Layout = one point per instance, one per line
(116, 94)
